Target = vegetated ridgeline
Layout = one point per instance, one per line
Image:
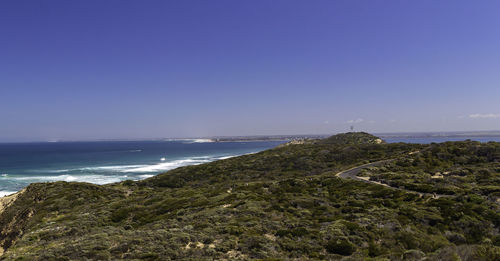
(283, 203)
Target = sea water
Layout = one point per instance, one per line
(108, 161)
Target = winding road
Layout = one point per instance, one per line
(352, 173)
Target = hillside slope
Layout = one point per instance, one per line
(352, 138)
(281, 203)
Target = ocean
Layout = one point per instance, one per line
(113, 161)
(108, 161)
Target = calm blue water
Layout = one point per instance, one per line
(107, 162)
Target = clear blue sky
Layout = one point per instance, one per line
(148, 69)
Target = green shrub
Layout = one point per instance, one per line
(340, 246)
(375, 249)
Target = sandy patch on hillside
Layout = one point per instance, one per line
(7, 200)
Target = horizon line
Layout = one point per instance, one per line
(395, 134)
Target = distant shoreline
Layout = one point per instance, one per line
(261, 138)
(455, 134)
(409, 135)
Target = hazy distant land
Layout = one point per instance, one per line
(455, 134)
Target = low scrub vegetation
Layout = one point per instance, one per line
(283, 203)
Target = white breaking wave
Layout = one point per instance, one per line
(57, 171)
(118, 168)
(96, 179)
(201, 140)
(190, 141)
(164, 166)
(6, 193)
(110, 174)
(142, 168)
(226, 157)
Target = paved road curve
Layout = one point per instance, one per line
(353, 174)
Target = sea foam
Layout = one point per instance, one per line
(6, 193)
(96, 179)
(164, 166)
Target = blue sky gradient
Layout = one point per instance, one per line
(150, 69)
